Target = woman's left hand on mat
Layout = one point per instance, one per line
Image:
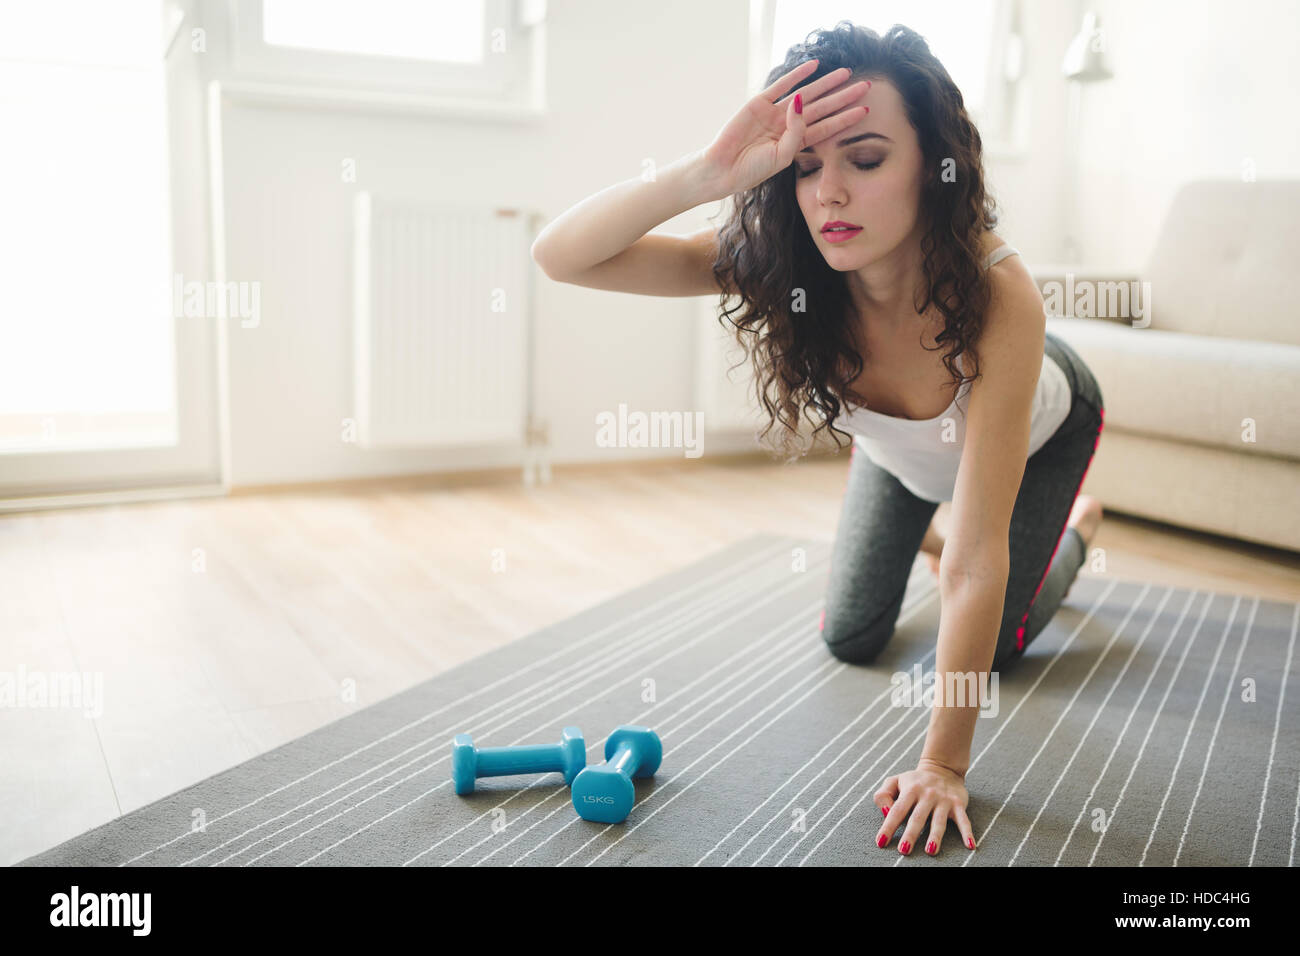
(931, 791)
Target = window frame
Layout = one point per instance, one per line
(500, 77)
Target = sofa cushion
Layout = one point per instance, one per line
(1224, 260)
(1251, 497)
(1195, 388)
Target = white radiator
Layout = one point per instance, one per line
(442, 319)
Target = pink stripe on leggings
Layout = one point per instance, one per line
(1020, 631)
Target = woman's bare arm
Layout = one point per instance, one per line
(602, 242)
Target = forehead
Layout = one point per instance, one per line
(885, 125)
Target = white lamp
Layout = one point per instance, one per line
(1085, 62)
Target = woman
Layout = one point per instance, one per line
(872, 291)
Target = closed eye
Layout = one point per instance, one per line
(808, 171)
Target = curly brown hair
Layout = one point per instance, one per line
(765, 251)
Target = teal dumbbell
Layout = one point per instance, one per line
(605, 793)
(468, 762)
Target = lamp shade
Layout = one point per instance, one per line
(1085, 60)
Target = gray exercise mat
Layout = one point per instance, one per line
(1146, 724)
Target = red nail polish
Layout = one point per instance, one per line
(904, 847)
(881, 841)
(798, 104)
(929, 848)
(885, 810)
(970, 842)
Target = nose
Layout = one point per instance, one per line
(830, 191)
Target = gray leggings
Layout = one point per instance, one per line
(882, 525)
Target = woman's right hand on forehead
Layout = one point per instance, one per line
(764, 136)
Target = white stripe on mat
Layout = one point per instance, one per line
(795, 642)
(892, 735)
(835, 672)
(1228, 688)
(705, 585)
(740, 595)
(1004, 724)
(1209, 675)
(1187, 646)
(640, 719)
(1096, 715)
(1272, 750)
(826, 765)
(769, 596)
(1119, 629)
(754, 693)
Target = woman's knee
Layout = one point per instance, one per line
(1012, 639)
(858, 622)
(859, 645)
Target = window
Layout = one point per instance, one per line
(480, 49)
(87, 354)
(971, 39)
(409, 28)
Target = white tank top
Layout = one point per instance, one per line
(924, 454)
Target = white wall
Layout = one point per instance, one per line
(1200, 88)
(626, 82)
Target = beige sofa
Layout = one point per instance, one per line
(1202, 383)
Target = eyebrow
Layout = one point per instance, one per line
(853, 139)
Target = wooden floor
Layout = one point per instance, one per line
(223, 628)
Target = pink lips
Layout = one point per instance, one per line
(844, 236)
